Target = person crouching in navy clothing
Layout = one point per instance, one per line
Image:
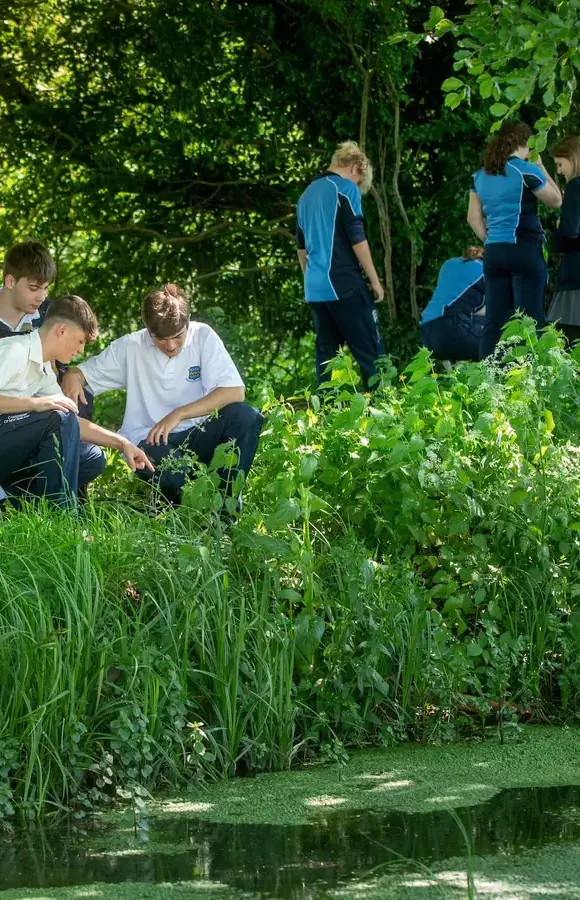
(453, 320)
(184, 392)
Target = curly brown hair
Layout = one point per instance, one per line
(510, 136)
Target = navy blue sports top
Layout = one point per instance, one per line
(329, 223)
(460, 290)
(567, 238)
(509, 203)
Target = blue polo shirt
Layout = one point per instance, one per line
(509, 203)
(329, 223)
(460, 290)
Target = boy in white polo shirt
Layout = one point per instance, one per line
(177, 373)
(40, 432)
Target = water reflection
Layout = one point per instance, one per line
(291, 862)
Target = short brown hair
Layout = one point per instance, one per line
(74, 311)
(165, 311)
(501, 146)
(568, 148)
(30, 259)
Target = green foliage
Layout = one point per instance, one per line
(145, 144)
(406, 567)
(517, 54)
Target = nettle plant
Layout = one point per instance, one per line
(464, 486)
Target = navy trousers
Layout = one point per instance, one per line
(353, 321)
(239, 422)
(515, 279)
(453, 337)
(42, 454)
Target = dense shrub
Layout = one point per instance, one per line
(406, 567)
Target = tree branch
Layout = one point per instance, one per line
(246, 270)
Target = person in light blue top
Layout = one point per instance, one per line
(453, 320)
(333, 253)
(503, 212)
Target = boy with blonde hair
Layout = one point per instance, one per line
(333, 253)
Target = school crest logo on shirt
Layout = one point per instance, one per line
(194, 373)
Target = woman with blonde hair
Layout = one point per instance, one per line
(565, 307)
(503, 212)
(453, 320)
(333, 253)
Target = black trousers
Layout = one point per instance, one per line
(454, 337)
(353, 321)
(238, 422)
(515, 279)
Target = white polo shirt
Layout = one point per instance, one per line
(23, 373)
(156, 384)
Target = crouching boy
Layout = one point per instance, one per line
(41, 449)
(184, 392)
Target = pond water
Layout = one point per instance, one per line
(288, 861)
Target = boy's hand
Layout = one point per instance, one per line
(159, 434)
(378, 290)
(136, 458)
(72, 385)
(56, 401)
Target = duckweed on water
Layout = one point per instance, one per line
(552, 872)
(409, 777)
(200, 890)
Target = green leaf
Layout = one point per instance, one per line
(308, 465)
(498, 109)
(286, 511)
(453, 100)
(479, 541)
(435, 16)
(548, 97)
(485, 86)
(308, 632)
(452, 84)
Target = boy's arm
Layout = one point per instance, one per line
(216, 399)
(13, 405)
(104, 372)
(48, 395)
(73, 383)
(363, 254)
(94, 434)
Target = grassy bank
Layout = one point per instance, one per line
(404, 569)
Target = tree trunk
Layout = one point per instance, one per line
(410, 233)
(379, 194)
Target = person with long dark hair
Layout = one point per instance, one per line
(503, 212)
(453, 320)
(565, 307)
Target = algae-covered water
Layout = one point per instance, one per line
(408, 822)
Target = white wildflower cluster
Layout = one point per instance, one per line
(435, 473)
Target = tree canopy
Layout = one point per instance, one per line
(147, 141)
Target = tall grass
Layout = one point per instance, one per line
(400, 567)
